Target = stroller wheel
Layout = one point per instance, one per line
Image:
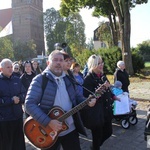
(125, 123)
(133, 120)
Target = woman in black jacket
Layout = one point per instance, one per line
(98, 118)
(27, 77)
(122, 76)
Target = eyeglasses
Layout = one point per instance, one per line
(16, 68)
(101, 63)
(67, 60)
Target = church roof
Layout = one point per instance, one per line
(5, 17)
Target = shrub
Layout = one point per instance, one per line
(137, 61)
(110, 57)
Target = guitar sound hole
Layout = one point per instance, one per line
(41, 140)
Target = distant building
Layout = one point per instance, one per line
(97, 43)
(100, 44)
(27, 22)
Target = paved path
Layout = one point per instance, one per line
(123, 139)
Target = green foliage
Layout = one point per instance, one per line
(55, 28)
(60, 29)
(25, 51)
(90, 44)
(110, 58)
(143, 49)
(135, 2)
(6, 48)
(147, 64)
(75, 36)
(137, 61)
(112, 9)
(82, 57)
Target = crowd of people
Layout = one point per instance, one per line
(66, 88)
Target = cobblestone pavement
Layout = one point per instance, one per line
(123, 139)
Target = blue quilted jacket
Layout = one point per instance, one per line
(10, 87)
(38, 108)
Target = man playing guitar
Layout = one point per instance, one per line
(61, 93)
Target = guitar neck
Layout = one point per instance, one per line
(97, 94)
(74, 110)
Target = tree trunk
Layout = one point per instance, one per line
(122, 10)
(126, 55)
(113, 27)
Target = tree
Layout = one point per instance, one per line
(64, 29)
(122, 9)
(90, 44)
(111, 9)
(75, 35)
(105, 8)
(6, 48)
(54, 28)
(83, 57)
(143, 49)
(25, 51)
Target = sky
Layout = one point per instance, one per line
(140, 20)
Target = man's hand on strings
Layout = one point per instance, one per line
(55, 125)
(92, 101)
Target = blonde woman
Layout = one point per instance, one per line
(98, 118)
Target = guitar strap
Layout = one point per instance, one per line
(44, 83)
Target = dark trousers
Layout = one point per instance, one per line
(100, 134)
(68, 142)
(11, 135)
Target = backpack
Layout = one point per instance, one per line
(44, 83)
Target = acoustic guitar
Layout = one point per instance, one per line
(45, 137)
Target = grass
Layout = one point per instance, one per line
(147, 64)
(136, 78)
(147, 67)
(144, 76)
(139, 77)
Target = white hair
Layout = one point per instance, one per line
(15, 65)
(54, 53)
(120, 63)
(4, 61)
(93, 61)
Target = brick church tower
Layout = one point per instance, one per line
(27, 22)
